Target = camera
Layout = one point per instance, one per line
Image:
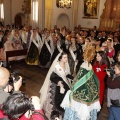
(14, 77)
(54, 115)
(111, 70)
(2, 64)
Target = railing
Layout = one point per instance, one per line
(14, 53)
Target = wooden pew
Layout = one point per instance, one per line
(14, 53)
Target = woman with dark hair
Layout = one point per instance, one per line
(18, 106)
(56, 85)
(74, 55)
(58, 47)
(46, 51)
(99, 67)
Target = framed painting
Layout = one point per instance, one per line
(90, 9)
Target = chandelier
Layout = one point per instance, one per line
(65, 3)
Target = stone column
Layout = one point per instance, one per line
(48, 13)
(75, 12)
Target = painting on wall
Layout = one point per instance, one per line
(90, 9)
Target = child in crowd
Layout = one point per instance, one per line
(114, 93)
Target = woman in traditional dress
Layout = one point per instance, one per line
(16, 40)
(17, 44)
(34, 49)
(25, 36)
(58, 47)
(73, 55)
(8, 46)
(55, 86)
(46, 51)
(99, 68)
(82, 101)
(67, 41)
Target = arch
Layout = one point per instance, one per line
(19, 20)
(63, 20)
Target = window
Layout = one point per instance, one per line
(2, 12)
(35, 12)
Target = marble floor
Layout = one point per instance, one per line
(34, 77)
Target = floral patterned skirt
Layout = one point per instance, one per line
(72, 115)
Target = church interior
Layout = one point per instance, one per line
(47, 13)
(86, 15)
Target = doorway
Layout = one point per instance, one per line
(19, 20)
(63, 20)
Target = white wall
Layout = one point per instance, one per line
(16, 8)
(57, 11)
(63, 21)
(89, 22)
(11, 8)
(82, 21)
(7, 12)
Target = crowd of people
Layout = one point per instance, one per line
(80, 64)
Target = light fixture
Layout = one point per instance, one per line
(65, 3)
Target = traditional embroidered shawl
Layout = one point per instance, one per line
(62, 73)
(85, 88)
(45, 86)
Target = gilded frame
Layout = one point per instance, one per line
(90, 9)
